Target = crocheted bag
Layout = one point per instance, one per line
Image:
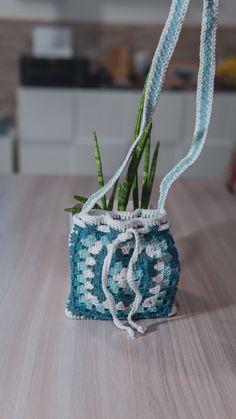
(124, 265)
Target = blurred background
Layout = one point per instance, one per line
(69, 67)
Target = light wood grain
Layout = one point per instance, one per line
(55, 368)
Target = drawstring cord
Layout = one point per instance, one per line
(121, 238)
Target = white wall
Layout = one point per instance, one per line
(110, 10)
(28, 8)
(138, 10)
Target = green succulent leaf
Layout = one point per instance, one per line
(80, 198)
(98, 161)
(146, 160)
(139, 114)
(126, 185)
(112, 197)
(135, 193)
(121, 192)
(148, 188)
(145, 173)
(135, 190)
(72, 210)
(130, 183)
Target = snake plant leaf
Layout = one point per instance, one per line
(145, 172)
(145, 196)
(139, 114)
(83, 199)
(80, 198)
(122, 188)
(148, 191)
(135, 190)
(98, 161)
(135, 193)
(146, 160)
(126, 185)
(112, 197)
(72, 210)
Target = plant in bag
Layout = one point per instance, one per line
(123, 188)
(124, 264)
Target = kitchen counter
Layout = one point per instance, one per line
(55, 368)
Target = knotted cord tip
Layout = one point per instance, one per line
(131, 333)
(141, 329)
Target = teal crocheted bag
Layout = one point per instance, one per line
(124, 265)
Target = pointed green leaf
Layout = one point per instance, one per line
(112, 197)
(80, 198)
(139, 113)
(135, 193)
(135, 190)
(73, 210)
(145, 173)
(126, 186)
(121, 195)
(152, 175)
(146, 160)
(97, 157)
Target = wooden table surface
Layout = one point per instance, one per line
(55, 368)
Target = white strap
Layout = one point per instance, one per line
(162, 56)
(205, 88)
(204, 99)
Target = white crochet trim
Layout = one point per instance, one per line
(119, 220)
(120, 306)
(104, 229)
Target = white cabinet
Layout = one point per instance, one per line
(109, 113)
(55, 130)
(6, 152)
(168, 118)
(46, 115)
(46, 159)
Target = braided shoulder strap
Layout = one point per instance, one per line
(160, 62)
(204, 98)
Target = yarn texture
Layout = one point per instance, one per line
(156, 269)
